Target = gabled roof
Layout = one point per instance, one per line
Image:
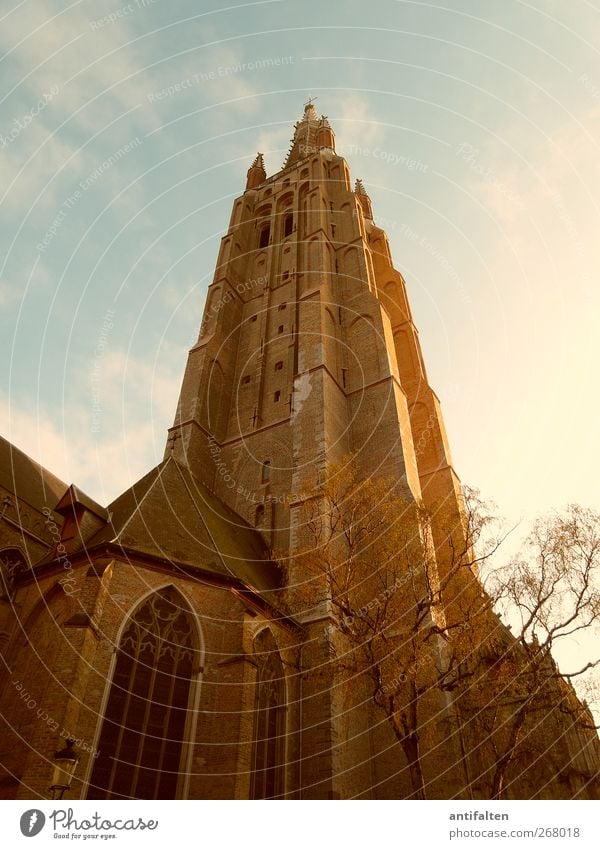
(171, 515)
(75, 496)
(28, 480)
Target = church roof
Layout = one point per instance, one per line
(171, 515)
(27, 479)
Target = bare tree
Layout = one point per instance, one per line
(550, 595)
(369, 552)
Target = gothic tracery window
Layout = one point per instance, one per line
(268, 757)
(141, 743)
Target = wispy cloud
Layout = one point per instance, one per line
(535, 320)
(9, 293)
(111, 431)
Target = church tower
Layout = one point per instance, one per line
(307, 355)
(307, 350)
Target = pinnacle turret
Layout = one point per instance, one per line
(256, 173)
(363, 199)
(325, 136)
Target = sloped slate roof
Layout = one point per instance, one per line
(169, 514)
(27, 479)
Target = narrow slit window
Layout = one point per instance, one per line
(266, 472)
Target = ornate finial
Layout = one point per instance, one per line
(359, 188)
(310, 113)
(259, 161)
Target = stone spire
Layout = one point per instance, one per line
(256, 173)
(304, 141)
(310, 113)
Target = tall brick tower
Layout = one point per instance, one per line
(308, 354)
(307, 350)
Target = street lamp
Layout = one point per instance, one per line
(65, 764)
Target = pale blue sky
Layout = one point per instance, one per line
(494, 225)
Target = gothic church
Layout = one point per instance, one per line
(160, 632)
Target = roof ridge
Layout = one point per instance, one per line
(161, 467)
(207, 529)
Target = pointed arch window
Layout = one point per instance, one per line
(141, 743)
(268, 756)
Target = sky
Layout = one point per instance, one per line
(126, 130)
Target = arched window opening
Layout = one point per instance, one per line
(266, 471)
(268, 757)
(263, 241)
(288, 224)
(141, 742)
(259, 515)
